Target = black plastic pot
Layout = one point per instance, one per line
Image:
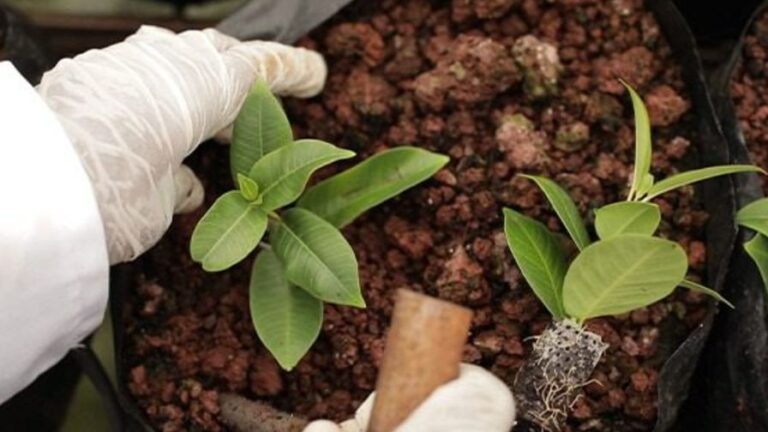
(732, 380)
(718, 197)
(130, 418)
(716, 21)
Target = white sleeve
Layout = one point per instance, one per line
(53, 258)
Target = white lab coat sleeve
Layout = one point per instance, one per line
(53, 257)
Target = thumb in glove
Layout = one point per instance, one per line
(476, 401)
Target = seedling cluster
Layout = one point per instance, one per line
(307, 260)
(626, 268)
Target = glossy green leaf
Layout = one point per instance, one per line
(565, 208)
(228, 232)
(540, 258)
(260, 127)
(695, 286)
(627, 217)
(248, 187)
(284, 173)
(622, 273)
(286, 318)
(688, 177)
(757, 248)
(317, 258)
(754, 216)
(643, 149)
(342, 198)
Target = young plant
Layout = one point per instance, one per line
(755, 217)
(625, 269)
(307, 261)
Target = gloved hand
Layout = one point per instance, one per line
(135, 110)
(476, 401)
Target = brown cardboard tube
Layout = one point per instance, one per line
(423, 351)
(243, 415)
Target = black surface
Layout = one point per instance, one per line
(716, 20)
(731, 391)
(181, 5)
(21, 44)
(43, 405)
(718, 199)
(121, 284)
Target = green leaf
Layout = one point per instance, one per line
(628, 217)
(342, 198)
(694, 176)
(540, 258)
(565, 208)
(754, 216)
(284, 173)
(757, 248)
(694, 286)
(248, 187)
(643, 148)
(317, 257)
(286, 318)
(622, 273)
(228, 232)
(260, 128)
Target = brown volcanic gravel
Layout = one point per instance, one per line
(749, 89)
(503, 87)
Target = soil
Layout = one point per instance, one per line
(503, 87)
(748, 89)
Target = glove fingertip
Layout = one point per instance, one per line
(316, 81)
(151, 31)
(322, 426)
(224, 136)
(490, 385)
(189, 191)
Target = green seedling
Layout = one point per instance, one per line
(307, 260)
(626, 268)
(755, 217)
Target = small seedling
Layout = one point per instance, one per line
(307, 261)
(755, 217)
(625, 269)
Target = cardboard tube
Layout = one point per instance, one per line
(423, 351)
(243, 415)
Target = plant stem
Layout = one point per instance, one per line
(275, 216)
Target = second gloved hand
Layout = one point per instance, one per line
(135, 110)
(476, 401)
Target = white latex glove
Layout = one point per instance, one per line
(135, 110)
(476, 401)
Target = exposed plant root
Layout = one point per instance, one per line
(563, 359)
